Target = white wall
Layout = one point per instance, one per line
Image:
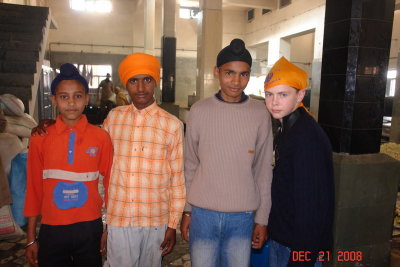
(115, 28)
(302, 52)
(300, 16)
(233, 25)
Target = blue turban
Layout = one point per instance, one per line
(68, 72)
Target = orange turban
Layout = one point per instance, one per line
(285, 73)
(137, 64)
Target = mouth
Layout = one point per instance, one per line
(141, 96)
(275, 111)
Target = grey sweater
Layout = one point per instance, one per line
(228, 157)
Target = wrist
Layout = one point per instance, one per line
(187, 213)
(28, 244)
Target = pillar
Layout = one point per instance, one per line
(357, 38)
(355, 58)
(149, 26)
(284, 48)
(273, 51)
(168, 52)
(209, 43)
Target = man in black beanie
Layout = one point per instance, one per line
(228, 168)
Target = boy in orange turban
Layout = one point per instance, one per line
(147, 187)
(301, 218)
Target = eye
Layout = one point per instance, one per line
(228, 73)
(132, 81)
(147, 79)
(283, 95)
(63, 97)
(78, 96)
(245, 74)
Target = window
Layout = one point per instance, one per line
(391, 78)
(189, 12)
(265, 11)
(250, 14)
(94, 74)
(283, 3)
(98, 6)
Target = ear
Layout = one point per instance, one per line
(216, 72)
(300, 95)
(53, 100)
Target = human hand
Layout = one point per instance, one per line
(31, 254)
(169, 241)
(41, 128)
(103, 243)
(185, 225)
(259, 236)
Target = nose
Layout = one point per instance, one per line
(140, 85)
(275, 100)
(71, 101)
(236, 79)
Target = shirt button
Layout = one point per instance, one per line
(69, 151)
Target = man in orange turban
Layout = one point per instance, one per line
(147, 189)
(302, 192)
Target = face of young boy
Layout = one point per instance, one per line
(233, 78)
(70, 99)
(281, 100)
(141, 90)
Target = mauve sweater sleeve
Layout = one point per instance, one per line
(191, 157)
(262, 169)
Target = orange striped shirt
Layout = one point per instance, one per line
(147, 186)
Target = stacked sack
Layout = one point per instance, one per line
(15, 130)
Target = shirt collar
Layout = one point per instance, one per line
(243, 98)
(146, 112)
(80, 126)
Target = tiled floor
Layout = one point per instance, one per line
(12, 253)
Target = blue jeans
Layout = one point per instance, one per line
(279, 255)
(220, 238)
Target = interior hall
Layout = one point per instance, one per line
(349, 48)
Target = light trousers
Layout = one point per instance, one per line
(134, 246)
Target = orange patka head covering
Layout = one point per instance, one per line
(286, 73)
(137, 64)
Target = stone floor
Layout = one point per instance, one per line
(12, 254)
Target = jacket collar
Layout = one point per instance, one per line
(289, 120)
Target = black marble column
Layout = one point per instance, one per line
(168, 61)
(355, 58)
